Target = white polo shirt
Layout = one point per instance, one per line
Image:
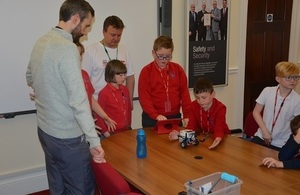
(290, 109)
(95, 59)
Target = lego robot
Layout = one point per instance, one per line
(187, 137)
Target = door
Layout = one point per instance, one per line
(267, 43)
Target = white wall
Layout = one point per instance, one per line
(40, 16)
(22, 160)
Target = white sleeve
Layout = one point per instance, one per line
(129, 65)
(87, 62)
(262, 97)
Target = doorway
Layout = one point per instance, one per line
(267, 43)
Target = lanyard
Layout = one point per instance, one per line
(207, 120)
(122, 105)
(108, 53)
(275, 103)
(207, 123)
(166, 82)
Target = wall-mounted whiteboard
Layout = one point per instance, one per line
(24, 21)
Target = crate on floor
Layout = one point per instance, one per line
(214, 185)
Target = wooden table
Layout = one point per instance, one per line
(168, 166)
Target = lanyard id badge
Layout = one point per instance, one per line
(166, 85)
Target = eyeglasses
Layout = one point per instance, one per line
(163, 57)
(294, 78)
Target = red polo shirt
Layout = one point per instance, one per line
(88, 86)
(153, 94)
(213, 120)
(116, 104)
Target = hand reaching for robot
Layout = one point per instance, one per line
(173, 135)
(216, 142)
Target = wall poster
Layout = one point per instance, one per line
(207, 22)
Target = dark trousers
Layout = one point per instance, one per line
(193, 36)
(68, 165)
(149, 122)
(202, 34)
(259, 141)
(223, 33)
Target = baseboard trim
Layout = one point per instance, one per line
(24, 182)
(234, 131)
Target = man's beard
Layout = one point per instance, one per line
(76, 33)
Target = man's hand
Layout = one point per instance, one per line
(32, 96)
(98, 154)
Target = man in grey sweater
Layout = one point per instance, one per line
(66, 128)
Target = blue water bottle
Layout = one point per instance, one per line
(141, 148)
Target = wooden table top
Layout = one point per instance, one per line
(168, 166)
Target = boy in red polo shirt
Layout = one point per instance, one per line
(207, 115)
(163, 90)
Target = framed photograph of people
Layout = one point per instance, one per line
(207, 43)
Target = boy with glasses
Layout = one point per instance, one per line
(279, 104)
(162, 86)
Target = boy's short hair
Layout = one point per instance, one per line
(295, 124)
(163, 42)
(284, 69)
(203, 85)
(112, 68)
(113, 21)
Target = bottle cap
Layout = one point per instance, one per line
(141, 132)
(228, 177)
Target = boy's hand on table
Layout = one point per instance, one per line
(271, 162)
(215, 143)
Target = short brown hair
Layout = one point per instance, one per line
(203, 85)
(112, 68)
(113, 21)
(72, 7)
(295, 124)
(163, 42)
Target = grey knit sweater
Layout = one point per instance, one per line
(53, 71)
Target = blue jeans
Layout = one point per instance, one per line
(68, 165)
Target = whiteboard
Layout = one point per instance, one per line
(23, 22)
